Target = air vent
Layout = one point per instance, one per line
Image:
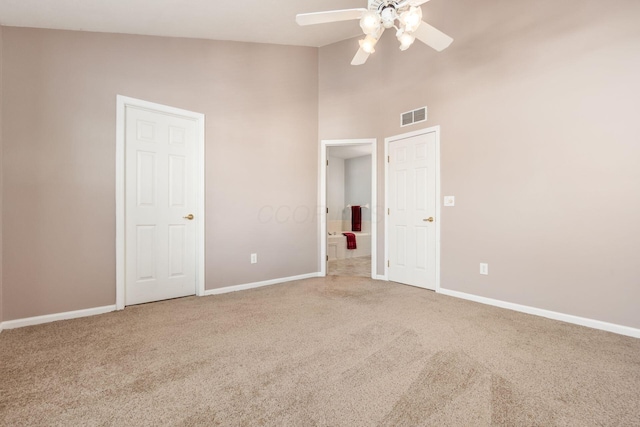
(412, 117)
(407, 118)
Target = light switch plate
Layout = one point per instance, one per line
(484, 269)
(449, 200)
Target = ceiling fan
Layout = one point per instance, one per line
(382, 15)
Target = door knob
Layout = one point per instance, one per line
(430, 219)
(189, 217)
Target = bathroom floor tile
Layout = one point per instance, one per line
(360, 266)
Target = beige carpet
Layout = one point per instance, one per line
(321, 352)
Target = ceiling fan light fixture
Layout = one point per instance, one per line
(411, 19)
(381, 15)
(370, 22)
(406, 40)
(368, 44)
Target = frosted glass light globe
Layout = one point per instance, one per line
(368, 44)
(406, 40)
(370, 22)
(411, 19)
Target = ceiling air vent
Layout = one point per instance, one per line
(412, 117)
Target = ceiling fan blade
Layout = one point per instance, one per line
(329, 16)
(432, 37)
(404, 3)
(360, 58)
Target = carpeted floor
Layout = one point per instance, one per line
(320, 352)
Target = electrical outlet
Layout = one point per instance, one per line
(484, 269)
(449, 200)
(254, 258)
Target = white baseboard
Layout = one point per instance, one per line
(582, 321)
(246, 286)
(38, 320)
(381, 277)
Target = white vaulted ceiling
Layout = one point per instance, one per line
(262, 21)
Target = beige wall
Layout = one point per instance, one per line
(1, 302)
(538, 105)
(59, 106)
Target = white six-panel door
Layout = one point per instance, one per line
(160, 194)
(412, 211)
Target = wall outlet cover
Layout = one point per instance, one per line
(484, 269)
(449, 200)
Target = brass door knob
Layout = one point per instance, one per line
(189, 217)
(430, 219)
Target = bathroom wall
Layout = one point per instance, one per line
(348, 183)
(335, 192)
(357, 188)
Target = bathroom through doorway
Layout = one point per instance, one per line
(349, 207)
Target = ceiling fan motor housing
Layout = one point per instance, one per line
(378, 5)
(388, 15)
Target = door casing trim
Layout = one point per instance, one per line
(387, 141)
(122, 102)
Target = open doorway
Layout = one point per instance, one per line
(348, 200)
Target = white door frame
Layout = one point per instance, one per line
(123, 102)
(387, 141)
(322, 198)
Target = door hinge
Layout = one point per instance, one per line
(388, 211)
(327, 257)
(327, 210)
(388, 159)
(327, 162)
(388, 263)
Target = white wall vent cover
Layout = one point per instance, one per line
(412, 117)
